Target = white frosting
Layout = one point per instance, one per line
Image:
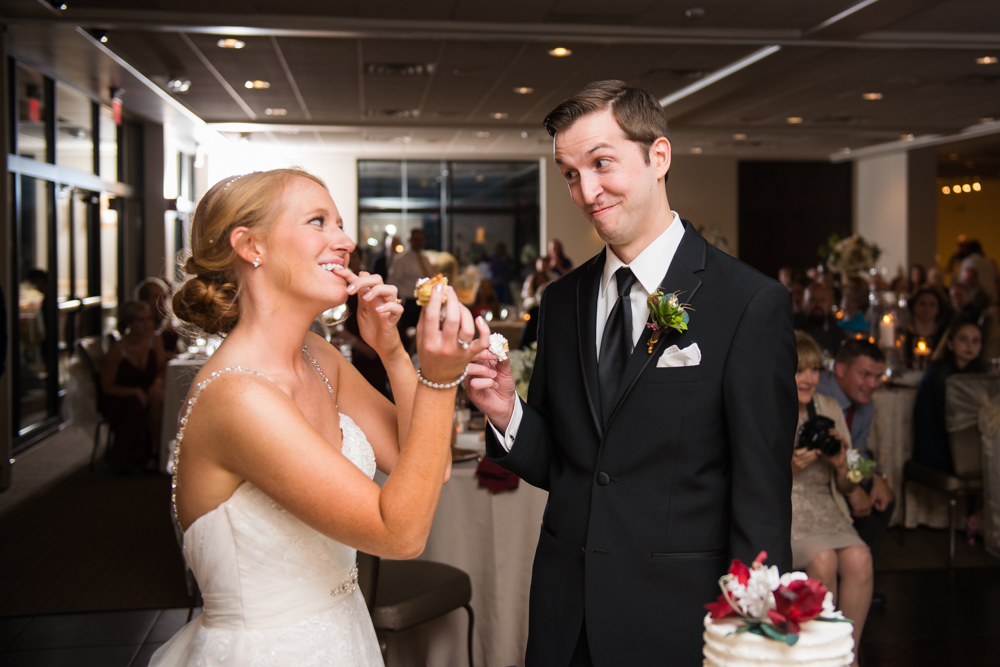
(820, 644)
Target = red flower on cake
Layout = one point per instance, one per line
(740, 574)
(798, 602)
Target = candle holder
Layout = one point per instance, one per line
(921, 351)
(889, 317)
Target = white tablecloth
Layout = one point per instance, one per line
(492, 537)
(891, 442)
(176, 383)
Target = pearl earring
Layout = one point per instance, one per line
(256, 263)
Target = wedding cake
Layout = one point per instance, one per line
(762, 618)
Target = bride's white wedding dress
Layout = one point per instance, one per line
(277, 593)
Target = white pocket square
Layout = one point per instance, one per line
(674, 357)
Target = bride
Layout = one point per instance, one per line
(280, 436)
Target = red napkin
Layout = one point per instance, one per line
(494, 477)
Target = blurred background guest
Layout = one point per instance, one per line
(929, 315)
(486, 301)
(786, 276)
(824, 541)
(985, 271)
(798, 294)
(817, 318)
(382, 262)
(363, 356)
(500, 269)
(961, 301)
(960, 351)
(558, 262)
(854, 304)
(132, 385)
(406, 270)
(918, 276)
(935, 278)
(534, 284)
(155, 294)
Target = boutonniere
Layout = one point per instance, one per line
(858, 467)
(667, 312)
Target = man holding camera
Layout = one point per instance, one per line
(855, 378)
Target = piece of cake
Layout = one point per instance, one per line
(499, 346)
(762, 618)
(425, 286)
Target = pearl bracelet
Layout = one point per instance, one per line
(438, 385)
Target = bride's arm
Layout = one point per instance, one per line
(258, 433)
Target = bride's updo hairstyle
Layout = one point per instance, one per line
(210, 298)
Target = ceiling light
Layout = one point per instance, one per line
(499, 115)
(740, 137)
(986, 121)
(719, 74)
(872, 96)
(179, 85)
(906, 137)
(696, 150)
(966, 188)
(976, 186)
(988, 60)
(231, 43)
(956, 188)
(257, 84)
(946, 190)
(275, 112)
(694, 13)
(524, 135)
(794, 120)
(846, 151)
(64, 6)
(483, 134)
(524, 90)
(560, 52)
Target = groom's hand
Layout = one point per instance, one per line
(490, 386)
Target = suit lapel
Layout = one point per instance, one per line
(586, 299)
(682, 276)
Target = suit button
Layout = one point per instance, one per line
(603, 479)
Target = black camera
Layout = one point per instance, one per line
(815, 434)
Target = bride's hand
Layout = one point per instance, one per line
(378, 313)
(442, 356)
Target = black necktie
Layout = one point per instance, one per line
(616, 345)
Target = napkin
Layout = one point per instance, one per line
(496, 478)
(674, 357)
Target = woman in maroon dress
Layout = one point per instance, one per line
(132, 384)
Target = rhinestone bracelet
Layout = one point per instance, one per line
(438, 385)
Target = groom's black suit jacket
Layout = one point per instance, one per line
(692, 469)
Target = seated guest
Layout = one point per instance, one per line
(900, 284)
(969, 277)
(817, 319)
(918, 276)
(132, 385)
(985, 271)
(935, 278)
(854, 304)
(786, 276)
(961, 301)
(155, 293)
(558, 262)
(798, 293)
(486, 301)
(534, 284)
(824, 541)
(928, 320)
(856, 376)
(960, 351)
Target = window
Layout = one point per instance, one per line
(74, 130)
(32, 109)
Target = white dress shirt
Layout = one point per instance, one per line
(406, 270)
(649, 267)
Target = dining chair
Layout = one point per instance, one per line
(401, 594)
(964, 395)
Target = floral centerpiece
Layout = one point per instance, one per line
(522, 362)
(772, 605)
(849, 255)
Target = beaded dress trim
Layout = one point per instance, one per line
(350, 583)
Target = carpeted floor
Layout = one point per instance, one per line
(87, 542)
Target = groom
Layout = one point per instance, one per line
(663, 460)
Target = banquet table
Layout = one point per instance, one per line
(176, 383)
(492, 537)
(891, 443)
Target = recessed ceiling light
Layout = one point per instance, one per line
(257, 84)
(872, 96)
(483, 134)
(696, 150)
(988, 60)
(976, 186)
(524, 135)
(64, 6)
(986, 121)
(179, 85)
(846, 151)
(906, 137)
(739, 137)
(560, 52)
(275, 112)
(794, 120)
(499, 115)
(946, 190)
(694, 13)
(231, 43)
(966, 188)
(524, 90)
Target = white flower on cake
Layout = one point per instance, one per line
(759, 595)
(498, 346)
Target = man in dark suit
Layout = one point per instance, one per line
(662, 461)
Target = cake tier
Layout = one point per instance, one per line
(820, 644)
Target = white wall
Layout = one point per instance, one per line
(880, 206)
(563, 219)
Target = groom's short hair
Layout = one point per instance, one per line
(637, 112)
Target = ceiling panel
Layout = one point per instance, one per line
(961, 16)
